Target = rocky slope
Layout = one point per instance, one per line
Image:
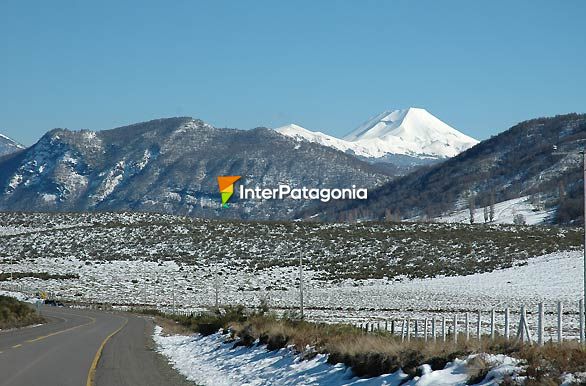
(171, 165)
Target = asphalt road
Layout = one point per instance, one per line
(129, 359)
(66, 350)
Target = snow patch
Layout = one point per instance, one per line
(14, 182)
(112, 180)
(145, 160)
(504, 213)
(207, 360)
(49, 198)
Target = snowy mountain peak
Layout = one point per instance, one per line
(373, 127)
(302, 134)
(412, 132)
(293, 130)
(8, 145)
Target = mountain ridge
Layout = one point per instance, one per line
(170, 165)
(8, 145)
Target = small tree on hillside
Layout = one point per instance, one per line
(491, 209)
(388, 215)
(519, 219)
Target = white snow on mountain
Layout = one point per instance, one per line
(301, 133)
(8, 145)
(412, 132)
(11, 140)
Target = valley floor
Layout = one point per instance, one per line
(549, 278)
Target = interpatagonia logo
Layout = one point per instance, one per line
(226, 184)
(283, 191)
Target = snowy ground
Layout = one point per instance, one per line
(550, 278)
(146, 259)
(504, 213)
(210, 361)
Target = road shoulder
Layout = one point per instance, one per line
(130, 358)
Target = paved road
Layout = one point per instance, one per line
(129, 359)
(61, 352)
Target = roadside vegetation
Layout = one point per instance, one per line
(375, 353)
(6, 276)
(14, 314)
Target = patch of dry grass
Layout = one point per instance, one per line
(375, 353)
(15, 314)
(545, 365)
(171, 327)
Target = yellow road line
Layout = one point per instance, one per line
(92, 373)
(93, 320)
(62, 331)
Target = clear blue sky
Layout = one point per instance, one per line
(327, 65)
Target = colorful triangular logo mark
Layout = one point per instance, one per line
(226, 184)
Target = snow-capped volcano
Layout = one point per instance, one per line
(412, 132)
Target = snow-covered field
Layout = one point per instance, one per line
(550, 278)
(207, 360)
(135, 259)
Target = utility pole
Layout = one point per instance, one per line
(144, 285)
(174, 292)
(301, 285)
(216, 286)
(584, 178)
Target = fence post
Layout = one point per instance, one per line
(386, 326)
(393, 327)
(520, 332)
(403, 330)
(523, 330)
(581, 310)
(433, 332)
(408, 329)
(425, 329)
(492, 324)
(444, 328)
(560, 325)
(467, 328)
(416, 332)
(540, 321)
(378, 325)
(455, 328)
(507, 331)
(478, 325)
